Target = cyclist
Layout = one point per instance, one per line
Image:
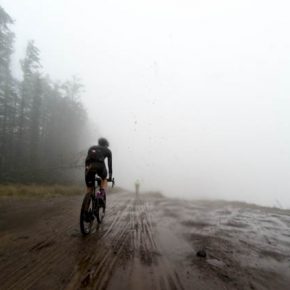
(95, 164)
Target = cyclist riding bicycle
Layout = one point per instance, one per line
(95, 164)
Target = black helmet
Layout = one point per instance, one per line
(103, 142)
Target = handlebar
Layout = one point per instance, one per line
(113, 181)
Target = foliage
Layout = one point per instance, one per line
(42, 123)
(20, 190)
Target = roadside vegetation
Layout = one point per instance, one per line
(43, 123)
(35, 190)
(44, 191)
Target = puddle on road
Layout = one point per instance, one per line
(216, 263)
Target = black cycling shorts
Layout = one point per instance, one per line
(95, 168)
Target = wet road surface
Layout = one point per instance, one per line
(145, 242)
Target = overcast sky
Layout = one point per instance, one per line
(194, 96)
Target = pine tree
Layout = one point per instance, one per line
(29, 105)
(41, 122)
(7, 94)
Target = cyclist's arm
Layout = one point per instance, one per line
(87, 162)
(110, 163)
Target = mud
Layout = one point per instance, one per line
(145, 242)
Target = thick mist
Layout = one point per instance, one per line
(192, 95)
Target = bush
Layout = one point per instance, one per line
(33, 190)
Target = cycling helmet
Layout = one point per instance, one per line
(103, 142)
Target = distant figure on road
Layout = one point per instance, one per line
(137, 186)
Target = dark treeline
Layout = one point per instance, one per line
(41, 122)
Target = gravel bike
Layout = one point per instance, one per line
(93, 207)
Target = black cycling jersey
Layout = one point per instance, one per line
(98, 154)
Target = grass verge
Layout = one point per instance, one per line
(33, 190)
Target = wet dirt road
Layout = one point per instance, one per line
(145, 242)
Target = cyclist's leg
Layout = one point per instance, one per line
(90, 181)
(102, 172)
(104, 184)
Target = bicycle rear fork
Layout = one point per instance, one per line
(100, 195)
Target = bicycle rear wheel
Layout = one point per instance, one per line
(86, 216)
(100, 209)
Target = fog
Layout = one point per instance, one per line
(193, 95)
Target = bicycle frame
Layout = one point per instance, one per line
(98, 201)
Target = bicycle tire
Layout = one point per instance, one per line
(100, 210)
(86, 216)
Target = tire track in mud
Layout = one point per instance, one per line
(37, 272)
(30, 239)
(145, 242)
(164, 276)
(154, 270)
(42, 255)
(127, 241)
(100, 260)
(96, 266)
